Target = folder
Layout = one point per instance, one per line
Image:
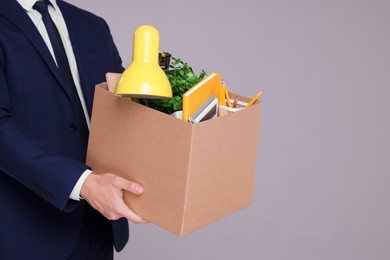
(198, 94)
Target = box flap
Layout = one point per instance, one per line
(112, 80)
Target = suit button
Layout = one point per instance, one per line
(73, 127)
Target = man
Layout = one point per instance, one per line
(52, 54)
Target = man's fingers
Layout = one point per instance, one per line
(136, 219)
(132, 187)
(122, 209)
(126, 212)
(109, 201)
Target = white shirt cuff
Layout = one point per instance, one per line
(75, 194)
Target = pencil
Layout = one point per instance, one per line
(253, 100)
(227, 94)
(235, 102)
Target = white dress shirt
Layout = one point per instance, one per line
(59, 21)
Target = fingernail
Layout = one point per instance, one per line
(138, 189)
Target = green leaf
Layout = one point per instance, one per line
(181, 78)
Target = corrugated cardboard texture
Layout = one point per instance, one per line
(192, 174)
(222, 167)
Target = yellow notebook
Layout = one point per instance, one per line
(199, 93)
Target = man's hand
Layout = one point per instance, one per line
(104, 192)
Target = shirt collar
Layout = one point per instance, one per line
(28, 4)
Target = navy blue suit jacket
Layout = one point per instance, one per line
(41, 156)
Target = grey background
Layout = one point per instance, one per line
(322, 181)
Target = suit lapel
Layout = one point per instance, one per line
(14, 13)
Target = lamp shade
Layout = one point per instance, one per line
(144, 78)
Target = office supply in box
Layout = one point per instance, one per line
(144, 78)
(225, 95)
(254, 99)
(195, 96)
(224, 110)
(208, 110)
(191, 175)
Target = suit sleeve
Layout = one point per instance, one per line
(30, 161)
(115, 54)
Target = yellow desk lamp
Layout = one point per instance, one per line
(144, 78)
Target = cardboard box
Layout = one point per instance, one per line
(193, 174)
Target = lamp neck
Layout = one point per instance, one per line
(146, 44)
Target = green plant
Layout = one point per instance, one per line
(182, 78)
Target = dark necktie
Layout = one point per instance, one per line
(63, 66)
(55, 39)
